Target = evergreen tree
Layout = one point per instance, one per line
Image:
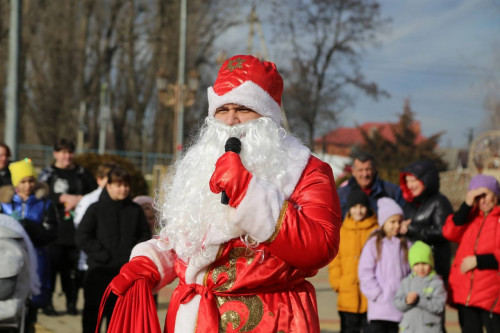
(391, 157)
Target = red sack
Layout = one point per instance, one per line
(135, 309)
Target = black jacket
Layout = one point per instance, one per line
(109, 230)
(428, 213)
(77, 180)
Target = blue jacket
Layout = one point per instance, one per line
(380, 188)
(36, 215)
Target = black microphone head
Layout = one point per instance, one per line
(233, 144)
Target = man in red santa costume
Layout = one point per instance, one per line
(242, 267)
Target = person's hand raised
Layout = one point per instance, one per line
(472, 195)
(403, 229)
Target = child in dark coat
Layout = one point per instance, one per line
(109, 230)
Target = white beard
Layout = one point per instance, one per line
(189, 209)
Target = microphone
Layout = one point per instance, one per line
(232, 144)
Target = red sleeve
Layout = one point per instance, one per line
(451, 231)
(309, 229)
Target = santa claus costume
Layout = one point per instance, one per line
(242, 267)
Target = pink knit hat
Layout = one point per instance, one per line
(248, 81)
(143, 200)
(387, 207)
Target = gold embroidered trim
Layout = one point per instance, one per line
(280, 222)
(209, 268)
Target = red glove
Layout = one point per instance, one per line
(138, 268)
(230, 176)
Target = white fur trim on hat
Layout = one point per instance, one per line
(247, 94)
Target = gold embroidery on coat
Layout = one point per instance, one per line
(253, 304)
(234, 254)
(255, 313)
(279, 223)
(219, 254)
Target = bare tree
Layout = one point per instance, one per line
(327, 39)
(75, 47)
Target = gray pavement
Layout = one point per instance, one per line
(327, 300)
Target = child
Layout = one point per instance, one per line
(358, 224)
(421, 295)
(382, 266)
(29, 204)
(109, 230)
(147, 206)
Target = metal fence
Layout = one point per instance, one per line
(42, 156)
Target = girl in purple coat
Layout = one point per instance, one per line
(382, 266)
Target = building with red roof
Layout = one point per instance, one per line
(341, 140)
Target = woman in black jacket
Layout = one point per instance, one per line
(426, 210)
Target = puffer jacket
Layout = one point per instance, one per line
(426, 314)
(479, 287)
(428, 213)
(109, 230)
(379, 280)
(39, 218)
(343, 270)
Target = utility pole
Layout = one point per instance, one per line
(12, 104)
(104, 115)
(80, 141)
(181, 79)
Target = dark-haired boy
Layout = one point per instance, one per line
(109, 230)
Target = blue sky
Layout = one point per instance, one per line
(437, 53)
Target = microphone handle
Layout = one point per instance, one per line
(224, 199)
(232, 144)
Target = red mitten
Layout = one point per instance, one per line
(138, 268)
(232, 177)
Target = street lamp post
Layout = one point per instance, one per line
(180, 99)
(177, 96)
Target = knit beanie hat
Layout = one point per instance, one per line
(357, 197)
(387, 207)
(489, 182)
(420, 253)
(21, 169)
(247, 81)
(142, 200)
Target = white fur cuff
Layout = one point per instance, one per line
(164, 261)
(259, 211)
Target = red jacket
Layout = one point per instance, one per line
(481, 235)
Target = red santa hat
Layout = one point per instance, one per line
(247, 81)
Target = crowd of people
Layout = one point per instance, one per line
(81, 227)
(398, 275)
(244, 217)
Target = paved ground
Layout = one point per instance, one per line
(329, 319)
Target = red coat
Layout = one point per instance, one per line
(478, 287)
(259, 288)
(264, 289)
